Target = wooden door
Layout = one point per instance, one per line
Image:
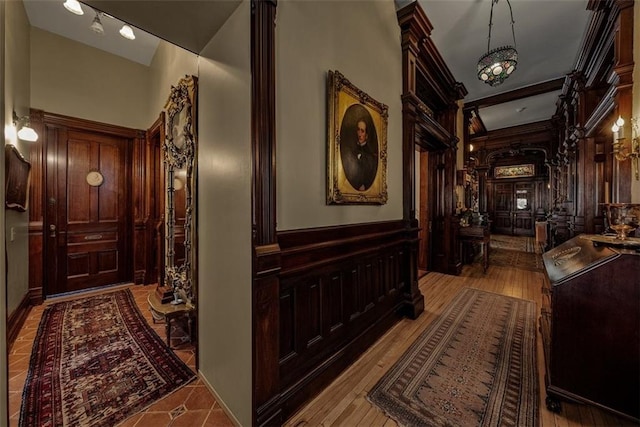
(523, 219)
(513, 208)
(87, 220)
(503, 208)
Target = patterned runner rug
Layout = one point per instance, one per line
(95, 362)
(473, 366)
(513, 243)
(515, 259)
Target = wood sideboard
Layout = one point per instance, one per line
(590, 322)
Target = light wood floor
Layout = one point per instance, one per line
(344, 402)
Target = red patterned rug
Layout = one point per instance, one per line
(95, 362)
(475, 365)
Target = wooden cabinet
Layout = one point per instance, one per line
(589, 322)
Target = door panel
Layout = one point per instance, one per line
(503, 206)
(523, 212)
(89, 222)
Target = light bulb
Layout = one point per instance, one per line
(620, 121)
(73, 6)
(127, 32)
(615, 128)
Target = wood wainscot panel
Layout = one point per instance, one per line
(340, 289)
(16, 320)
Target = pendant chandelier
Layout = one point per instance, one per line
(498, 64)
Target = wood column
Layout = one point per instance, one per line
(266, 252)
(623, 67)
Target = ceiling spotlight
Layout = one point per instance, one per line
(73, 6)
(96, 25)
(25, 132)
(127, 32)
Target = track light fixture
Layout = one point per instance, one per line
(96, 25)
(74, 6)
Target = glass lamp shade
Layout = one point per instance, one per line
(27, 134)
(498, 64)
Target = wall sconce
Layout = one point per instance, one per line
(25, 132)
(623, 152)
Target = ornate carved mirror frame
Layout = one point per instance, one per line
(179, 155)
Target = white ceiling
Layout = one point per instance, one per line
(50, 15)
(548, 36)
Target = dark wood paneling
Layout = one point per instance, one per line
(340, 289)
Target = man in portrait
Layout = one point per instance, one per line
(360, 156)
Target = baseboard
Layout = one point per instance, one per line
(16, 320)
(220, 401)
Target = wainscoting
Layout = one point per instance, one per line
(340, 289)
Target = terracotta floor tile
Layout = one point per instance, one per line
(172, 401)
(154, 419)
(190, 419)
(201, 398)
(217, 418)
(131, 421)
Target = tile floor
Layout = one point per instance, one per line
(190, 406)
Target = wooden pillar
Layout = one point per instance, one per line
(266, 251)
(623, 67)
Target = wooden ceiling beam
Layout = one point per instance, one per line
(532, 90)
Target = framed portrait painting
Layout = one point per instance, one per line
(357, 145)
(17, 173)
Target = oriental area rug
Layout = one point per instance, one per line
(516, 259)
(95, 361)
(475, 365)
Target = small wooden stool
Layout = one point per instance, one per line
(168, 312)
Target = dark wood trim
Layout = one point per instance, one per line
(16, 319)
(59, 120)
(429, 109)
(266, 259)
(513, 95)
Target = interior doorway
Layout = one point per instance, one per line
(512, 209)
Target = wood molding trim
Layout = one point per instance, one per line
(266, 252)
(16, 319)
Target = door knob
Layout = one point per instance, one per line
(52, 230)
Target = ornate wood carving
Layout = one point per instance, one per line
(429, 113)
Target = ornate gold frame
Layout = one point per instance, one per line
(179, 153)
(348, 107)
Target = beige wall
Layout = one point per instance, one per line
(16, 97)
(3, 284)
(224, 215)
(76, 80)
(170, 63)
(361, 39)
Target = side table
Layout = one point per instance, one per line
(168, 312)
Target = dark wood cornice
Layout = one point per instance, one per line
(532, 90)
(52, 119)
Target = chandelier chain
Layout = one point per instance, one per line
(513, 30)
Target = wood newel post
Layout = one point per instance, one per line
(266, 251)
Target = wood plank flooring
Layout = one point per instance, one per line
(344, 402)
